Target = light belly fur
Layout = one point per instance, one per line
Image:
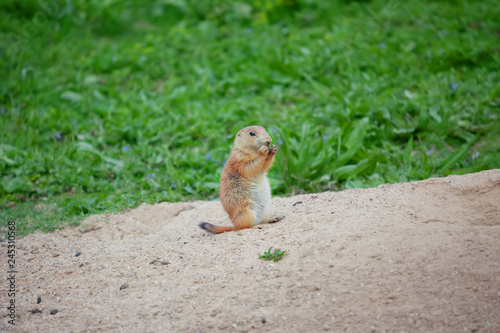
(261, 197)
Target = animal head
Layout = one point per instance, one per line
(252, 137)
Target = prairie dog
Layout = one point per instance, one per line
(244, 188)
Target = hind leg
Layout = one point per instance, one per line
(274, 219)
(245, 219)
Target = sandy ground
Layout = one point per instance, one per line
(410, 257)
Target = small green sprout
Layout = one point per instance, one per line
(275, 256)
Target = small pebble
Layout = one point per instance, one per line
(36, 310)
(263, 320)
(123, 286)
(163, 262)
(77, 253)
(38, 300)
(54, 311)
(297, 203)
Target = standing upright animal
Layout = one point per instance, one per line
(244, 188)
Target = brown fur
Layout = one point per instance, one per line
(243, 191)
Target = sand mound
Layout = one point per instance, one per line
(410, 257)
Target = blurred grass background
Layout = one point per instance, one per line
(105, 105)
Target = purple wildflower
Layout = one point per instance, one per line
(126, 148)
(207, 156)
(249, 30)
(58, 136)
(2, 111)
(74, 122)
(428, 153)
(325, 137)
(280, 142)
(153, 175)
(174, 185)
(148, 176)
(453, 86)
(382, 45)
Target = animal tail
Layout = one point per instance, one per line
(214, 229)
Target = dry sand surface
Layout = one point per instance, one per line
(411, 257)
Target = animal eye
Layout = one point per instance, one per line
(252, 134)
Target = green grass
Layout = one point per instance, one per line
(275, 256)
(105, 105)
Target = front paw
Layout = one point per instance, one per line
(273, 149)
(264, 150)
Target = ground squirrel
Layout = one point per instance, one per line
(244, 188)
